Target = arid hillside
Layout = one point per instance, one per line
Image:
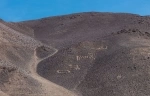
(83, 54)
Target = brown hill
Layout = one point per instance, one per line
(84, 54)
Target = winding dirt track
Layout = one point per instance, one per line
(48, 88)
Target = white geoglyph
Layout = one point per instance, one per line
(89, 56)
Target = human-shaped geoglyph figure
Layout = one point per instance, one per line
(76, 67)
(89, 56)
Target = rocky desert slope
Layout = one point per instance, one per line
(18, 62)
(83, 54)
